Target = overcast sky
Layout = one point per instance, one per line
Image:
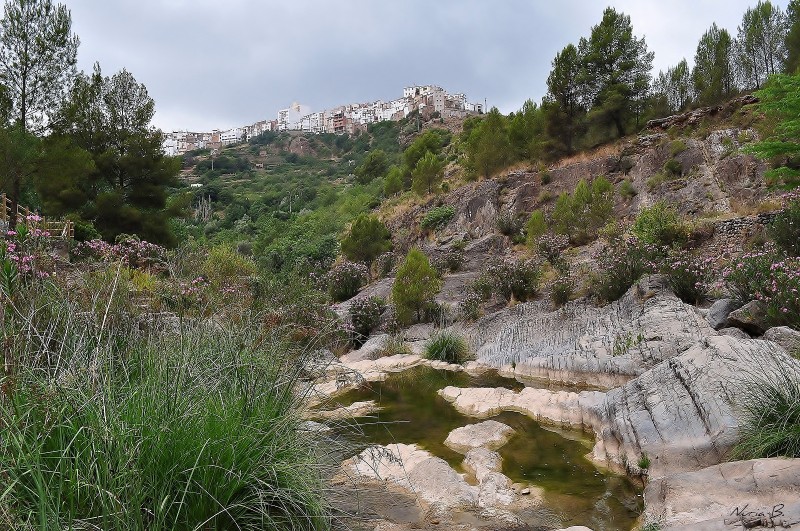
(222, 63)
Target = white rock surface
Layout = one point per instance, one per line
(480, 462)
(489, 434)
(354, 410)
(582, 344)
(705, 499)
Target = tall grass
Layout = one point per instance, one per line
(768, 401)
(447, 346)
(104, 427)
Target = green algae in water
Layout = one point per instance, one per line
(412, 412)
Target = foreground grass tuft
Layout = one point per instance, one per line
(447, 346)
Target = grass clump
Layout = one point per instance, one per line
(769, 411)
(448, 347)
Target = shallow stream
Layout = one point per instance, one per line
(575, 489)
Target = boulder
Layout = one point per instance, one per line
(718, 497)
(738, 333)
(585, 345)
(368, 350)
(718, 312)
(786, 337)
(752, 318)
(489, 434)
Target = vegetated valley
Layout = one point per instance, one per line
(584, 313)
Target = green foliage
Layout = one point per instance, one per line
(562, 106)
(345, 279)
(448, 347)
(562, 289)
(616, 71)
(627, 190)
(515, 278)
(427, 174)
(368, 237)
(488, 145)
(673, 168)
(525, 132)
(689, 277)
(535, 227)
(644, 461)
(581, 215)
(224, 264)
(619, 266)
(437, 217)
(792, 42)
(713, 75)
(660, 224)
(415, 286)
(431, 141)
(563, 215)
(780, 99)
(768, 398)
(760, 44)
(365, 315)
(375, 165)
(785, 228)
(393, 184)
(675, 86)
(511, 225)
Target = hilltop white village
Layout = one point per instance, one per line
(343, 119)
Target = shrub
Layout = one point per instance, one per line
(562, 289)
(367, 238)
(448, 347)
(415, 286)
(619, 266)
(438, 217)
(471, 306)
(550, 248)
(224, 265)
(393, 346)
(673, 168)
(535, 227)
(659, 224)
(785, 228)
(747, 276)
(689, 277)
(382, 265)
(365, 315)
(516, 278)
(627, 190)
(345, 279)
(545, 178)
(768, 396)
(448, 262)
(676, 147)
(511, 225)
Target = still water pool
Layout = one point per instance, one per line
(576, 490)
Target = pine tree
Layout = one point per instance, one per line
(714, 76)
(562, 104)
(367, 238)
(415, 286)
(761, 43)
(427, 174)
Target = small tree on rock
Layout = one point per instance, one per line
(415, 286)
(427, 174)
(367, 239)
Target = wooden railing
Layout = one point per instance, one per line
(57, 229)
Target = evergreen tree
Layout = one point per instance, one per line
(792, 41)
(394, 181)
(37, 60)
(562, 105)
(110, 119)
(563, 216)
(367, 238)
(714, 76)
(616, 71)
(761, 43)
(675, 86)
(415, 286)
(427, 174)
(525, 130)
(375, 165)
(489, 148)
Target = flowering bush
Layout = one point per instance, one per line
(660, 224)
(131, 251)
(448, 262)
(471, 306)
(562, 289)
(365, 315)
(747, 276)
(516, 278)
(345, 279)
(550, 247)
(620, 265)
(785, 228)
(689, 277)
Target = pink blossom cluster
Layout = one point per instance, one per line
(132, 252)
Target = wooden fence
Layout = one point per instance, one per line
(57, 229)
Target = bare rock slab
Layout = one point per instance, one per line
(718, 497)
(489, 434)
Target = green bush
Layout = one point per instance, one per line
(415, 286)
(515, 278)
(448, 347)
(511, 225)
(689, 277)
(535, 227)
(627, 190)
(785, 228)
(345, 279)
(365, 315)
(660, 224)
(676, 147)
(619, 266)
(673, 167)
(562, 289)
(367, 238)
(224, 264)
(768, 398)
(437, 217)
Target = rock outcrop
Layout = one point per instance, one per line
(727, 496)
(585, 345)
(490, 435)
